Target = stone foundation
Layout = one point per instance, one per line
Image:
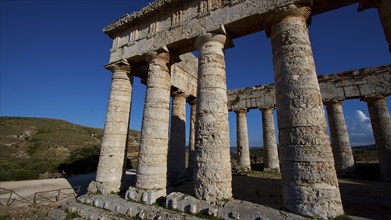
(146, 196)
(178, 206)
(233, 209)
(103, 207)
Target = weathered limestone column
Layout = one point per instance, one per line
(269, 141)
(381, 126)
(152, 161)
(310, 185)
(242, 147)
(113, 151)
(384, 10)
(340, 143)
(191, 164)
(177, 143)
(213, 167)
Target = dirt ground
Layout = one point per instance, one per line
(362, 199)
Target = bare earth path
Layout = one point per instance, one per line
(29, 187)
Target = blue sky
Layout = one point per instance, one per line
(53, 52)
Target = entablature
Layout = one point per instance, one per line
(355, 84)
(176, 23)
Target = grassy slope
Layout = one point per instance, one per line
(30, 146)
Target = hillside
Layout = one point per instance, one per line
(30, 146)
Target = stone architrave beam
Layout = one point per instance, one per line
(177, 23)
(361, 83)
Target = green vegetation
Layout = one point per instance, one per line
(256, 153)
(33, 146)
(365, 154)
(3, 217)
(72, 215)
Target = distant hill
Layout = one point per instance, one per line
(368, 147)
(30, 146)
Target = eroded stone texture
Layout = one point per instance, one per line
(310, 185)
(381, 126)
(191, 164)
(213, 166)
(242, 147)
(177, 23)
(113, 151)
(177, 143)
(340, 143)
(113, 207)
(233, 209)
(269, 141)
(352, 84)
(152, 162)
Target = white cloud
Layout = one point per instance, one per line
(360, 129)
(363, 118)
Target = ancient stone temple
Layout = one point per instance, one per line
(156, 45)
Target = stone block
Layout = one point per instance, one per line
(352, 91)
(147, 196)
(57, 214)
(366, 82)
(234, 209)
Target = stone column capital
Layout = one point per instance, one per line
(241, 111)
(328, 103)
(159, 58)
(118, 66)
(303, 10)
(219, 35)
(267, 110)
(176, 93)
(191, 100)
(373, 99)
(161, 54)
(201, 40)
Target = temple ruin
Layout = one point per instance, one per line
(155, 44)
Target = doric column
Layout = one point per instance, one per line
(340, 143)
(113, 151)
(384, 10)
(242, 147)
(381, 126)
(213, 167)
(269, 141)
(177, 143)
(152, 161)
(310, 185)
(191, 160)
